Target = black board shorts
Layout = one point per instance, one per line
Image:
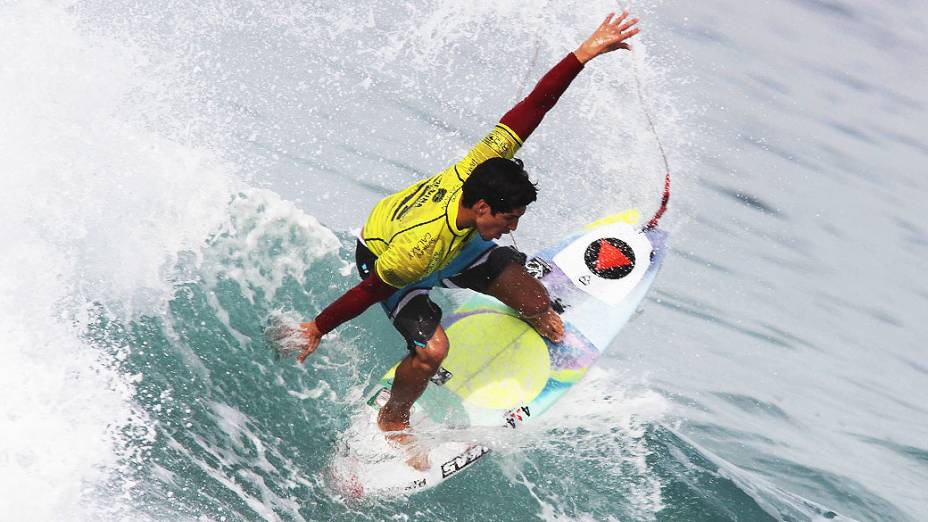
(411, 310)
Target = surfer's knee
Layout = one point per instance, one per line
(430, 356)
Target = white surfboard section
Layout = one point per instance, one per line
(573, 260)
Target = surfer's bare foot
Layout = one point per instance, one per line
(395, 431)
(419, 460)
(548, 324)
(418, 456)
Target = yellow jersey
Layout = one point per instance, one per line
(414, 232)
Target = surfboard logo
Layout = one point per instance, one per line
(463, 460)
(516, 416)
(610, 258)
(441, 376)
(416, 484)
(537, 267)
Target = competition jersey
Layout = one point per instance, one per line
(413, 232)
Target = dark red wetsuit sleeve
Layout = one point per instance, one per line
(353, 302)
(528, 113)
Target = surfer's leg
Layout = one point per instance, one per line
(518, 290)
(501, 273)
(418, 319)
(411, 379)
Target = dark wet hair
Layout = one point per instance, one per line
(502, 183)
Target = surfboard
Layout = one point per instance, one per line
(499, 371)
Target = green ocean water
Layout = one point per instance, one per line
(241, 435)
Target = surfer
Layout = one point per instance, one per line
(440, 232)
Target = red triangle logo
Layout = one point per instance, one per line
(610, 257)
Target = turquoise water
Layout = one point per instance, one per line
(177, 175)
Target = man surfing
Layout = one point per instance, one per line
(440, 232)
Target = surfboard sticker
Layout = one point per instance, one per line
(441, 376)
(537, 267)
(463, 460)
(607, 262)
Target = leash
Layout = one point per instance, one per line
(660, 147)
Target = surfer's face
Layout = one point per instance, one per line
(493, 226)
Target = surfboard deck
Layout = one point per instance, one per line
(499, 371)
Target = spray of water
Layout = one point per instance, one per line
(94, 210)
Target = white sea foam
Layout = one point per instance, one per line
(598, 424)
(94, 209)
(265, 240)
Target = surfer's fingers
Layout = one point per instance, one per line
(311, 345)
(625, 36)
(607, 20)
(624, 27)
(618, 20)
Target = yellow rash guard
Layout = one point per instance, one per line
(413, 232)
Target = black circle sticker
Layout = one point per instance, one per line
(610, 258)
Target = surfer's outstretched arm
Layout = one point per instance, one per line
(609, 36)
(355, 301)
(521, 120)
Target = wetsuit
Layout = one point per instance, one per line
(410, 242)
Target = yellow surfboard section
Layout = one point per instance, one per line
(629, 216)
(498, 361)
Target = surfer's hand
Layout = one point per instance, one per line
(312, 335)
(609, 36)
(549, 324)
